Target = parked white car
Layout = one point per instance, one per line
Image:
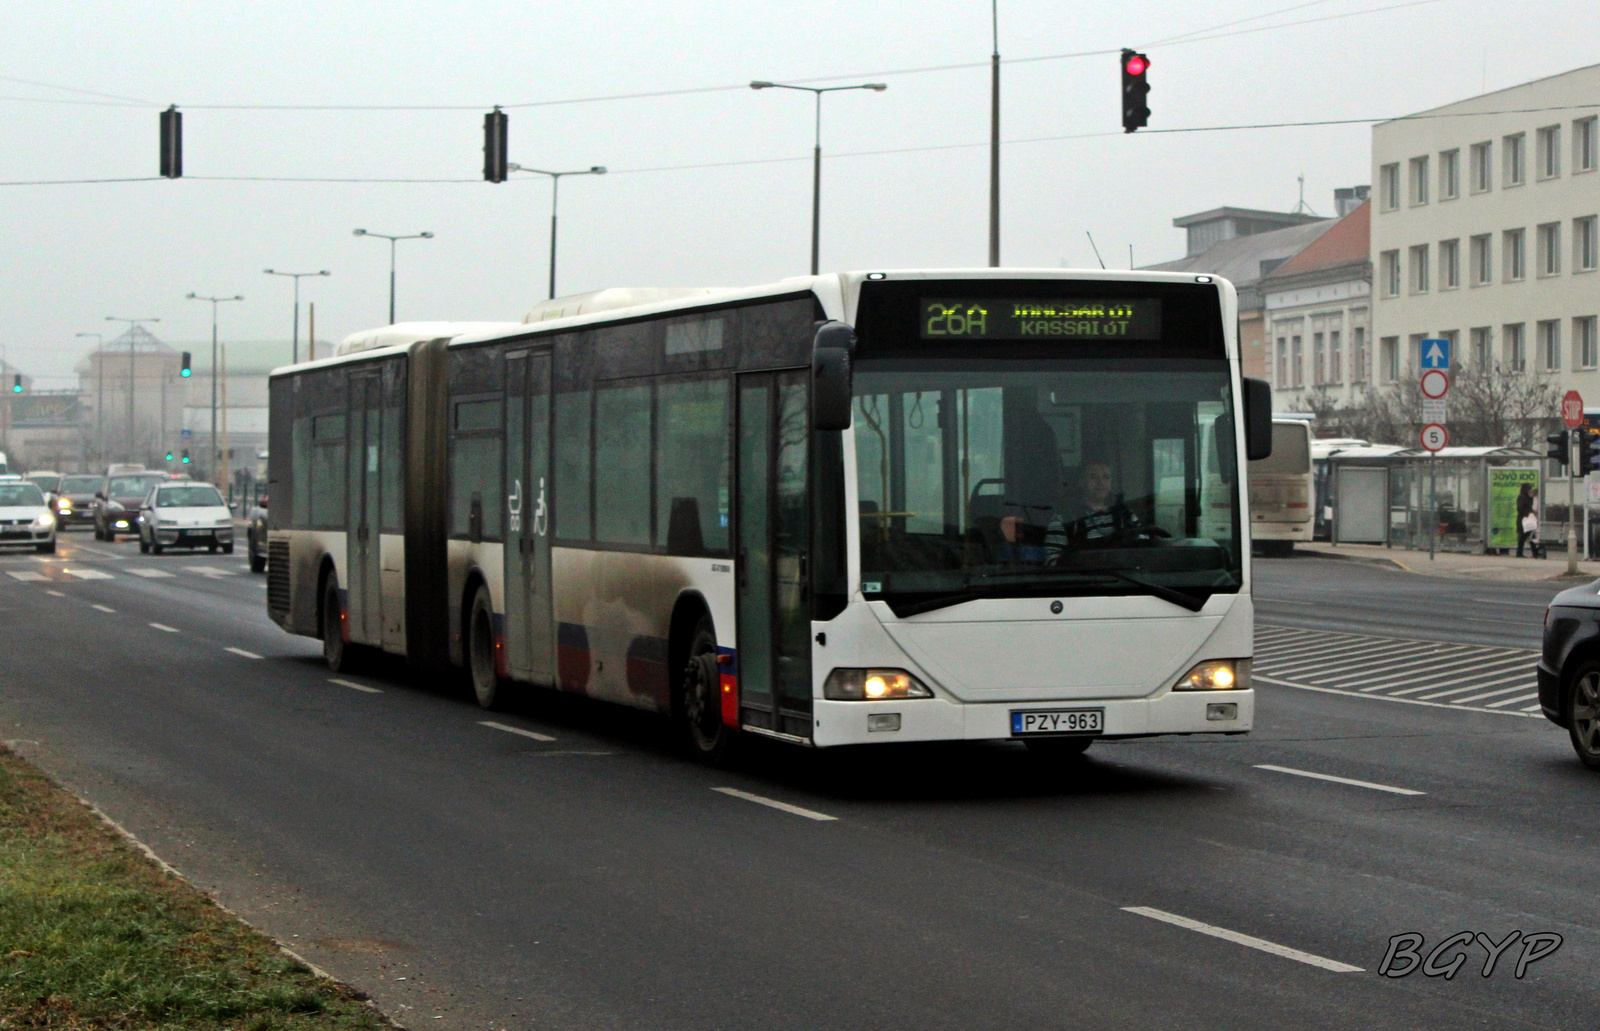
(25, 518)
(185, 515)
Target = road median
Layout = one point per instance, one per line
(97, 934)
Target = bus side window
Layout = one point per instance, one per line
(692, 466)
(571, 454)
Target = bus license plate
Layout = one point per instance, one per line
(1057, 721)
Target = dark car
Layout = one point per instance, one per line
(1569, 669)
(117, 503)
(74, 499)
(256, 536)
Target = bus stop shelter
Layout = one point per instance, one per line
(1458, 499)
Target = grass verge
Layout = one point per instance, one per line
(94, 935)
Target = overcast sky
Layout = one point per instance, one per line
(77, 253)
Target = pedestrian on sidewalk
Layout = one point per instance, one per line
(1527, 522)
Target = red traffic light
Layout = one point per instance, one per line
(1137, 64)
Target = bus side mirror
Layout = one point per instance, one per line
(830, 376)
(1257, 419)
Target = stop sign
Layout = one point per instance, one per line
(1572, 409)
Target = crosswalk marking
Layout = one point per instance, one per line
(87, 574)
(148, 574)
(27, 575)
(209, 571)
(1432, 673)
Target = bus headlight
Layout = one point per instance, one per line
(1216, 675)
(871, 685)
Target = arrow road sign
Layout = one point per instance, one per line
(1435, 437)
(1435, 353)
(1435, 384)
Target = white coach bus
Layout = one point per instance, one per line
(1283, 489)
(844, 509)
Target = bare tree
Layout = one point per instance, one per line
(1489, 407)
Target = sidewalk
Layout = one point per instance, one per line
(1457, 564)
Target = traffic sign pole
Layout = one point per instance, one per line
(1572, 415)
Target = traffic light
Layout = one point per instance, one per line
(1135, 88)
(185, 456)
(16, 383)
(1558, 447)
(184, 372)
(1586, 451)
(172, 143)
(495, 127)
(169, 456)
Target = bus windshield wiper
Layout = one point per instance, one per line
(1194, 603)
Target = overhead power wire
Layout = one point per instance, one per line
(1196, 36)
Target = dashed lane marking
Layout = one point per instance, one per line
(27, 575)
(242, 653)
(1339, 780)
(87, 574)
(163, 626)
(354, 686)
(102, 608)
(1244, 939)
(515, 730)
(810, 814)
(148, 574)
(58, 594)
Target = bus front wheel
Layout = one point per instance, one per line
(701, 703)
(335, 650)
(486, 683)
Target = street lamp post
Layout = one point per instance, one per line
(555, 186)
(994, 138)
(297, 276)
(99, 393)
(392, 241)
(211, 469)
(816, 150)
(133, 339)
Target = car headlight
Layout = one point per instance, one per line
(870, 685)
(44, 519)
(64, 504)
(1216, 675)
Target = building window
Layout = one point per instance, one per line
(1549, 331)
(1419, 180)
(1585, 244)
(1549, 156)
(1283, 363)
(1583, 145)
(1449, 174)
(1482, 346)
(1358, 360)
(1389, 186)
(1585, 346)
(1318, 360)
(1390, 261)
(1482, 167)
(1516, 356)
(1389, 352)
(1335, 358)
(1482, 260)
(1514, 148)
(1297, 357)
(1419, 269)
(1549, 240)
(1449, 264)
(1514, 246)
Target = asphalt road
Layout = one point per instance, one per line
(590, 877)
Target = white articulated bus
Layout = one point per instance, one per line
(1283, 489)
(843, 509)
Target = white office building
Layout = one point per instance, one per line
(1484, 232)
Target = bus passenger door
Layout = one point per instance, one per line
(530, 644)
(773, 548)
(364, 590)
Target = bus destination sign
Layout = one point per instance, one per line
(1030, 318)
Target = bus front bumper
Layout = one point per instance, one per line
(937, 719)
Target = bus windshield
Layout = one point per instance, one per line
(993, 477)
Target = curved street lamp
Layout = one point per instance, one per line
(392, 240)
(555, 185)
(297, 277)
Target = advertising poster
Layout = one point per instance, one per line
(1504, 486)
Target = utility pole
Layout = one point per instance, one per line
(994, 138)
(133, 339)
(211, 468)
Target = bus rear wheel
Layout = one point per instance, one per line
(700, 702)
(487, 686)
